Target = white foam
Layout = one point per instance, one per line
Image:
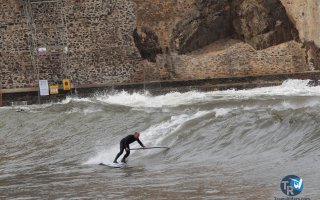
(146, 100)
(104, 156)
(222, 111)
(158, 132)
(288, 88)
(6, 108)
(69, 99)
(73, 110)
(285, 105)
(91, 110)
(85, 111)
(173, 99)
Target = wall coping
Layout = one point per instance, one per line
(181, 82)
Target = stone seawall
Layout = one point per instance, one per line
(30, 95)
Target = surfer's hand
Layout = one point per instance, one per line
(127, 149)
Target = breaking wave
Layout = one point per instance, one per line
(233, 130)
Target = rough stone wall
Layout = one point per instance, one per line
(101, 48)
(15, 67)
(101, 41)
(236, 58)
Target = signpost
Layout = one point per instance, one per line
(43, 87)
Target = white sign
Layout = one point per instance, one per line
(42, 51)
(44, 87)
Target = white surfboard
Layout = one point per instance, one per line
(114, 165)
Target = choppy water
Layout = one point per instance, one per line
(224, 145)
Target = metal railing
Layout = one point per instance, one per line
(41, 45)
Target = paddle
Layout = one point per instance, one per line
(150, 148)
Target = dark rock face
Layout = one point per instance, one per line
(262, 23)
(147, 44)
(210, 22)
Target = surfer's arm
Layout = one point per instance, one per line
(140, 143)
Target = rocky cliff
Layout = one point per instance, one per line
(213, 38)
(117, 41)
(305, 15)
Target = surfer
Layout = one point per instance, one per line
(124, 145)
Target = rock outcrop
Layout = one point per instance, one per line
(305, 15)
(188, 25)
(147, 43)
(209, 22)
(196, 38)
(262, 23)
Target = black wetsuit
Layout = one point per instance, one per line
(124, 143)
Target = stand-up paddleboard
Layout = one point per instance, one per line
(115, 165)
(150, 148)
(124, 165)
